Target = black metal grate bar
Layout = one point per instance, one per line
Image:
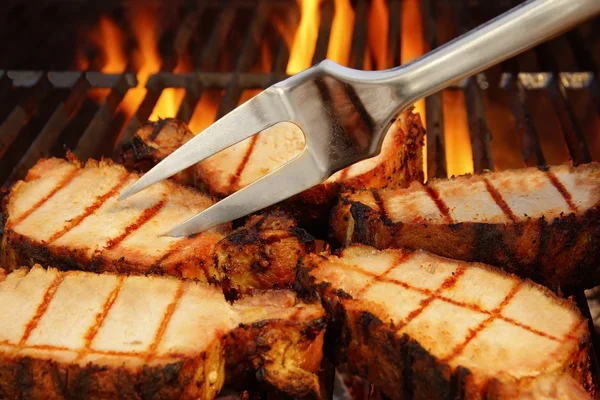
(359, 35)
(249, 49)
(394, 30)
(327, 10)
(436, 155)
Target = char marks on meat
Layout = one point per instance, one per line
(84, 335)
(399, 162)
(418, 325)
(539, 224)
(67, 215)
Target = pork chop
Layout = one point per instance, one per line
(67, 215)
(74, 334)
(542, 224)
(422, 326)
(398, 164)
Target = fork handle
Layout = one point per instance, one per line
(513, 32)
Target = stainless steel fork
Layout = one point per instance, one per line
(345, 113)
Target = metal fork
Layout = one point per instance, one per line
(345, 113)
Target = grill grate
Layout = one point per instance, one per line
(542, 107)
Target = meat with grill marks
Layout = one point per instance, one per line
(102, 336)
(421, 326)
(67, 215)
(542, 224)
(399, 163)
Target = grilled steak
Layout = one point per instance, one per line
(399, 163)
(262, 254)
(85, 335)
(67, 215)
(539, 224)
(421, 326)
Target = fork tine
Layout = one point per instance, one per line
(257, 114)
(268, 190)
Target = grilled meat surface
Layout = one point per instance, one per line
(544, 387)
(262, 254)
(67, 215)
(399, 163)
(421, 326)
(90, 230)
(153, 142)
(84, 335)
(542, 224)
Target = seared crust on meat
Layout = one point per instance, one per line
(153, 142)
(421, 326)
(37, 377)
(399, 163)
(261, 255)
(123, 237)
(83, 335)
(285, 353)
(67, 215)
(539, 224)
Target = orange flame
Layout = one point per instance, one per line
(459, 155)
(205, 112)
(341, 33)
(81, 61)
(170, 99)
(109, 38)
(305, 40)
(378, 33)
(143, 21)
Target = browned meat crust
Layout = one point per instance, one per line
(399, 164)
(279, 353)
(272, 335)
(38, 378)
(262, 254)
(76, 222)
(153, 142)
(419, 362)
(557, 243)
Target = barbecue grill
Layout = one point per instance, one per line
(60, 89)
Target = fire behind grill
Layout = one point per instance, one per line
(83, 76)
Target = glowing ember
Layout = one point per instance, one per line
(305, 40)
(341, 32)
